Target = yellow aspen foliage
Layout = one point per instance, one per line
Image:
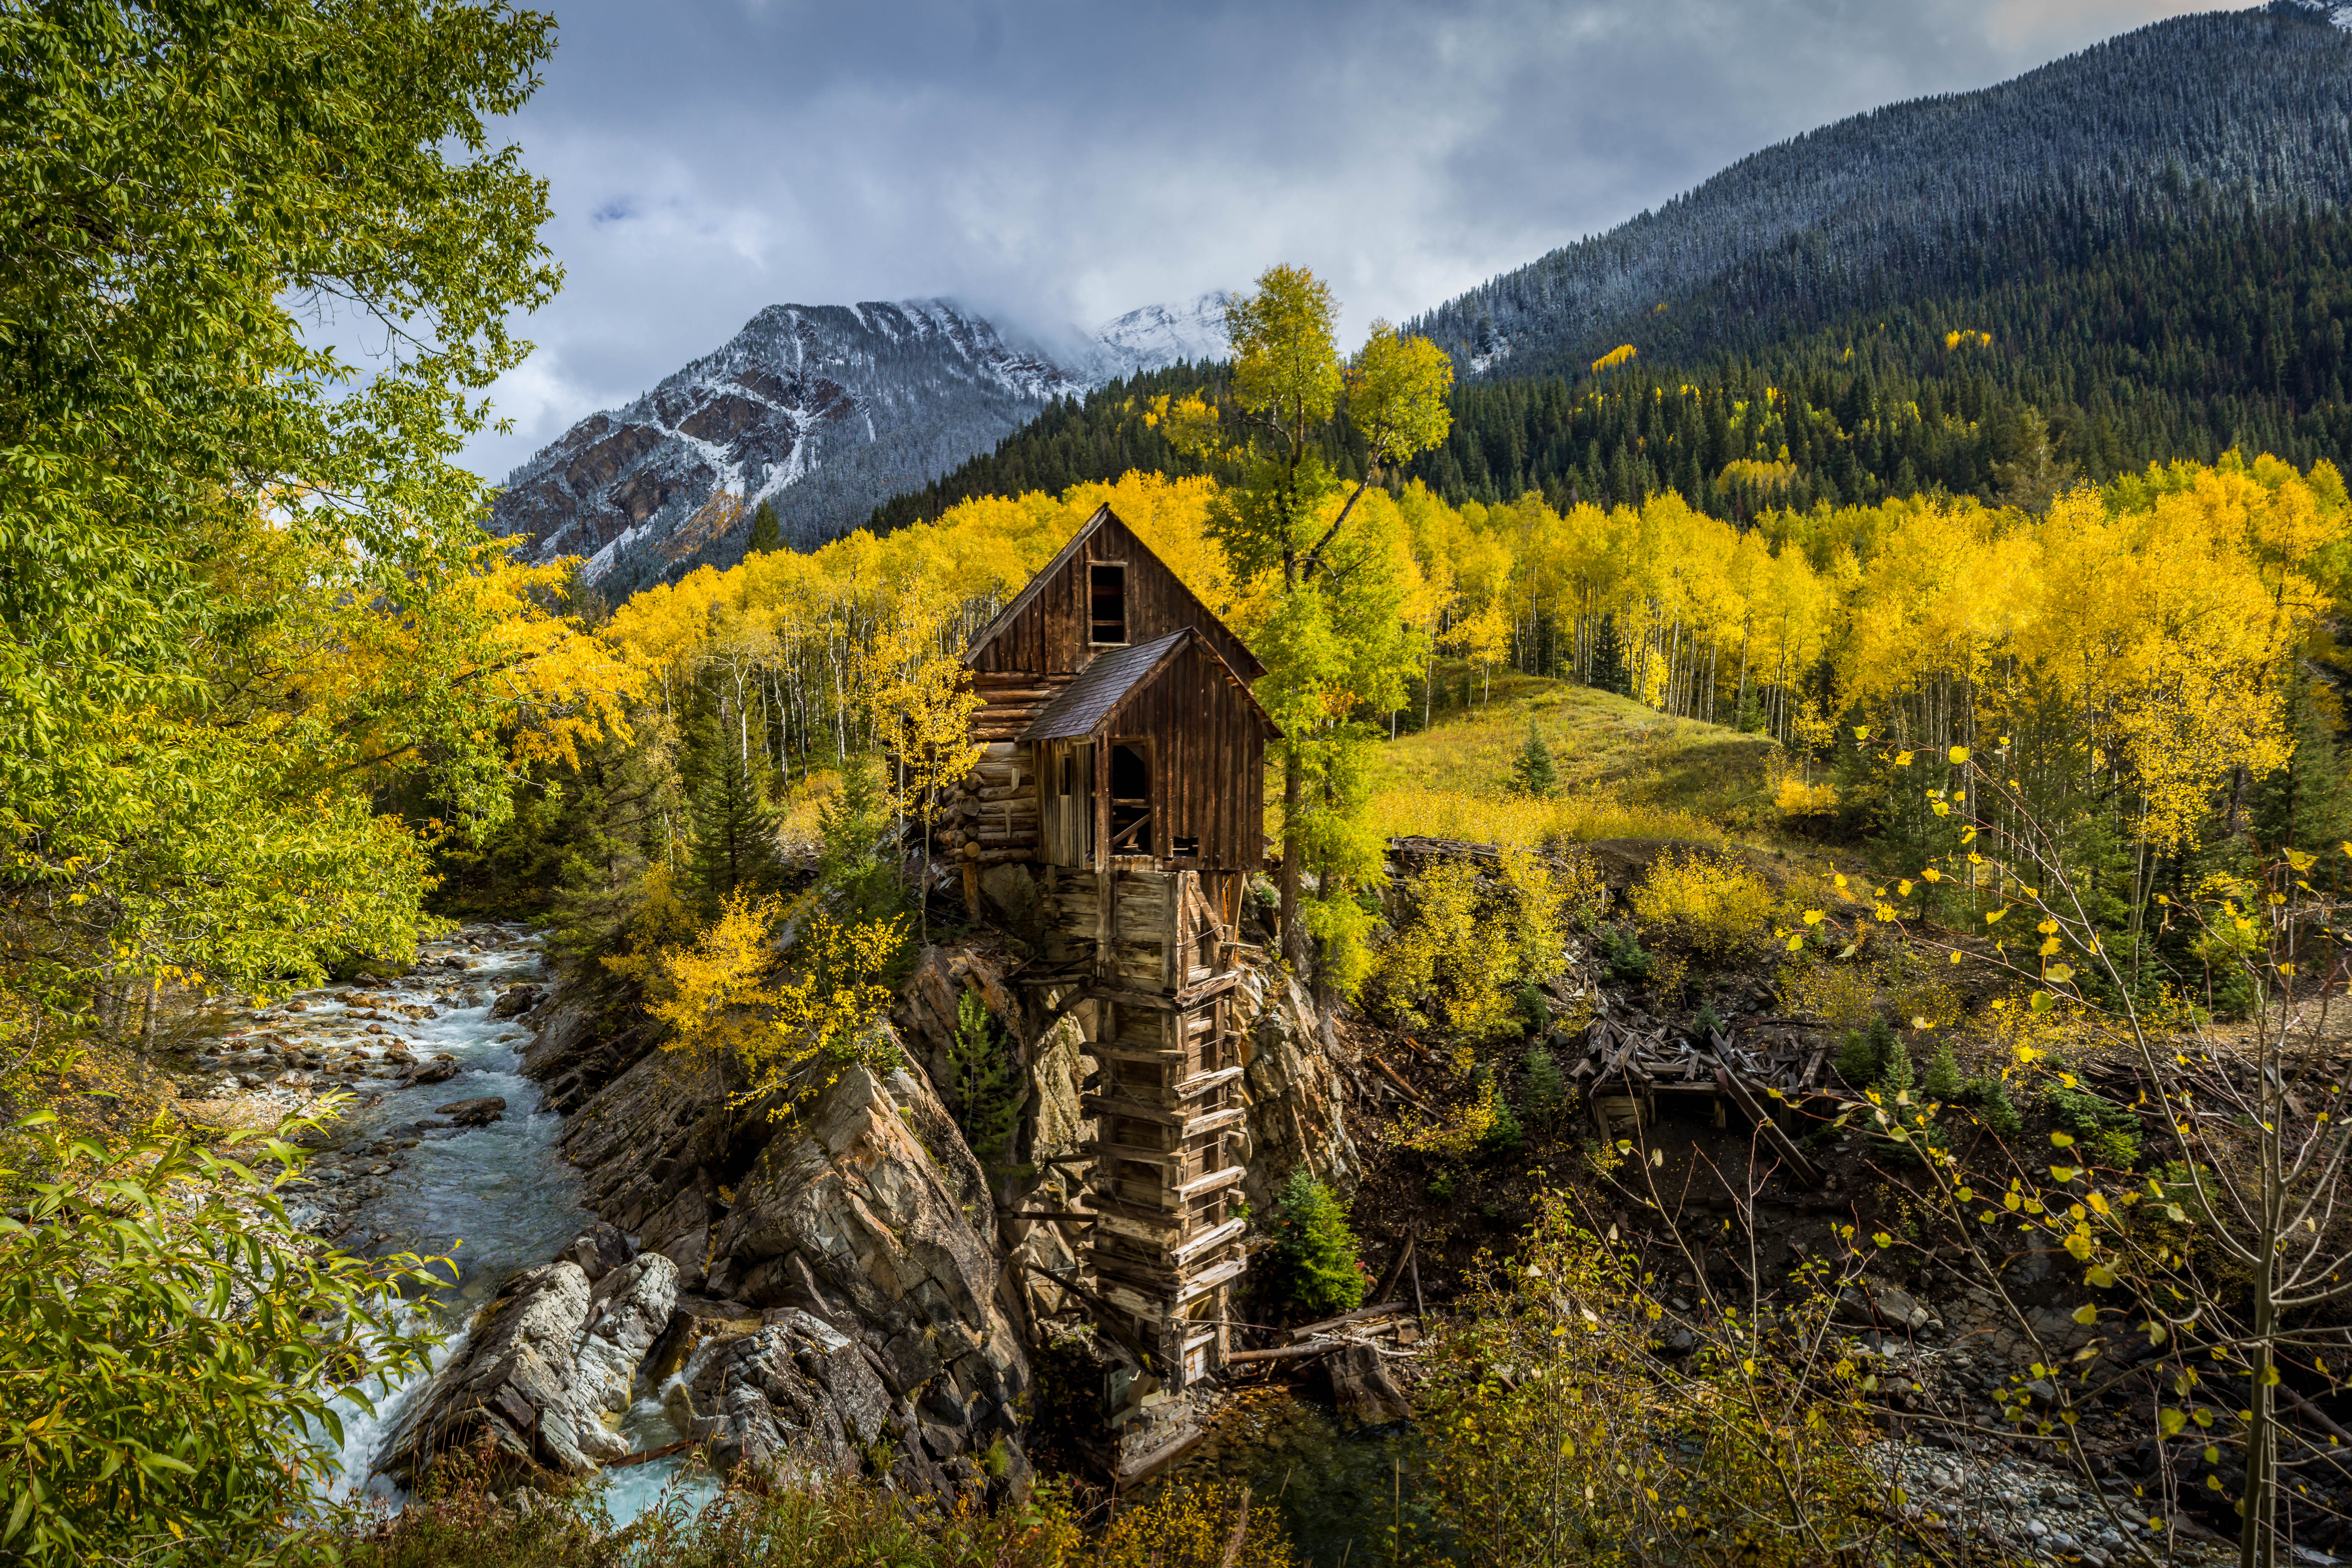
(1613, 358)
(1711, 902)
(794, 1023)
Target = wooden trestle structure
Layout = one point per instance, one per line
(1167, 1103)
(1123, 769)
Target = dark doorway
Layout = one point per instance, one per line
(1130, 799)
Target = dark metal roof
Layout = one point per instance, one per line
(1098, 688)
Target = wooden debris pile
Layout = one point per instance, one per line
(1625, 1069)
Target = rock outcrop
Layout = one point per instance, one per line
(548, 1357)
(863, 1212)
(1298, 1113)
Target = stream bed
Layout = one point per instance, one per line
(403, 1173)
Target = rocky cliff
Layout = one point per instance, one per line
(821, 410)
(839, 1285)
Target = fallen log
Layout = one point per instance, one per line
(1382, 1311)
(644, 1456)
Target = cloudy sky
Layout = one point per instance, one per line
(1054, 162)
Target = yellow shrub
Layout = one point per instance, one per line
(1716, 905)
(1793, 797)
(793, 1031)
(1844, 995)
(1848, 996)
(1191, 1525)
(1471, 941)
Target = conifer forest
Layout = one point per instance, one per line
(1689, 911)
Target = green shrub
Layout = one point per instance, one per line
(1994, 1107)
(1870, 1058)
(1316, 1263)
(1708, 1022)
(1856, 1062)
(1535, 1010)
(1533, 773)
(174, 1402)
(1621, 949)
(2107, 1133)
(1942, 1080)
(1441, 1187)
(1504, 1136)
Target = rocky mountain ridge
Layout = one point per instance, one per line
(820, 411)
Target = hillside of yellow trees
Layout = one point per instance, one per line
(2148, 656)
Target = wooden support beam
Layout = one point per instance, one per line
(1786, 1146)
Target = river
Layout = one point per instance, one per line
(399, 1175)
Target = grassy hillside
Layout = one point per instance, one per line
(1625, 771)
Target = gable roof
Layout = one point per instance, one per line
(1098, 690)
(1035, 586)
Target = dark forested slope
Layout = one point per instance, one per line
(1959, 192)
(2224, 326)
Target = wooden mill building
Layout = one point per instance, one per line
(1125, 762)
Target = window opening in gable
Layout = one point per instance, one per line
(1109, 598)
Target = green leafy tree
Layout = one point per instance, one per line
(189, 188)
(1316, 1266)
(176, 1403)
(1334, 645)
(1532, 773)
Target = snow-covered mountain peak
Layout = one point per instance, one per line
(1154, 336)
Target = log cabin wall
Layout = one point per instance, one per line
(1207, 749)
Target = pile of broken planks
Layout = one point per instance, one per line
(1623, 1070)
(1358, 1346)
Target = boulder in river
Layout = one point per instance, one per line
(795, 1395)
(547, 1358)
(440, 1069)
(599, 1249)
(517, 1001)
(478, 1112)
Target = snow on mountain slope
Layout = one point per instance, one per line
(1160, 335)
(822, 410)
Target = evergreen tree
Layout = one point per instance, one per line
(1532, 773)
(767, 533)
(1547, 1089)
(857, 868)
(734, 827)
(2307, 803)
(985, 1083)
(1316, 1267)
(1609, 671)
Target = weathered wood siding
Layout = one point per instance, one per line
(1050, 633)
(1208, 763)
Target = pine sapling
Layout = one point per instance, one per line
(1317, 1267)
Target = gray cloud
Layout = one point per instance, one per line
(1056, 162)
